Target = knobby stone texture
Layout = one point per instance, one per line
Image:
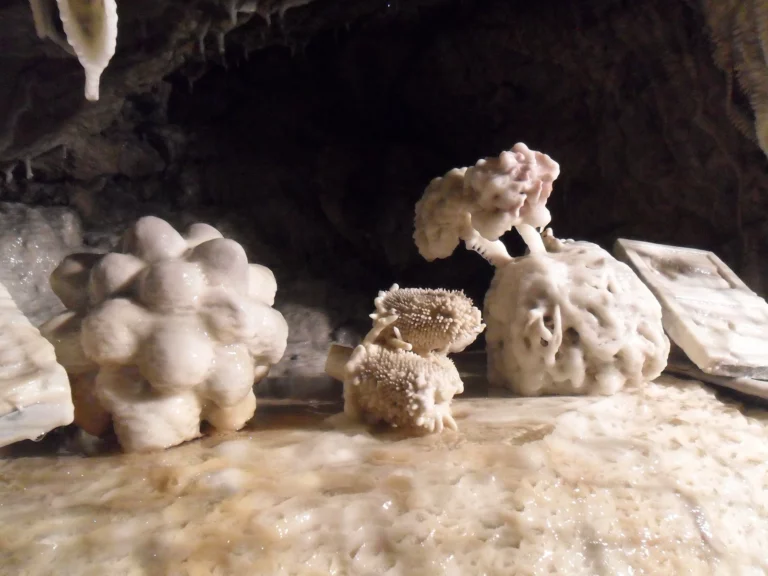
(311, 139)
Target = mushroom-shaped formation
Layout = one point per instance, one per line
(480, 204)
(572, 320)
(167, 332)
(430, 320)
(400, 374)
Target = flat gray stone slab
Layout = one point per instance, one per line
(720, 324)
(680, 365)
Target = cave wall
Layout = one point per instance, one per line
(311, 139)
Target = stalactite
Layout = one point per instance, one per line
(202, 33)
(91, 30)
(232, 9)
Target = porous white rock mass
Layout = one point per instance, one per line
(572, 320)
(565, 319)
(167, 332)
(91, 30)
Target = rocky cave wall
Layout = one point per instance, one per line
(310, 138)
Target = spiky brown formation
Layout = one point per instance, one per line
(400, 374)
(430, 320)
(401, 388)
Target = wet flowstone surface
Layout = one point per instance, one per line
(655, 480)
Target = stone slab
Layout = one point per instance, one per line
(720, 324)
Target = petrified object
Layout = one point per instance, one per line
(565, 319)
(34, 389)
(719, 323)
(435, 320)
(90, 27)
(480, 204)
(165, 333)
(573, 320)
(400, 374)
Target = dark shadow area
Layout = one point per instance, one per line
(328, 149)
(317, 149)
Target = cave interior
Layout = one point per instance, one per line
(308, 135)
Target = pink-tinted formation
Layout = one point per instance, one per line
(480, 204)
(512, 189)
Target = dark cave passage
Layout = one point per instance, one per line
(324, 149)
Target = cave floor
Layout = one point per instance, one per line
(667, 479)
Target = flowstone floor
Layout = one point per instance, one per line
(668, 479)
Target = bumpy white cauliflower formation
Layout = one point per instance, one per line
(400, 373)
(573, 320)
(167, 332)
(480, 204)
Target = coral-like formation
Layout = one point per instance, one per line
(567, 318)
(401, 388)
(169, 331)
(400, 374)
(434, 320)
(480, 204)
(573, 320)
